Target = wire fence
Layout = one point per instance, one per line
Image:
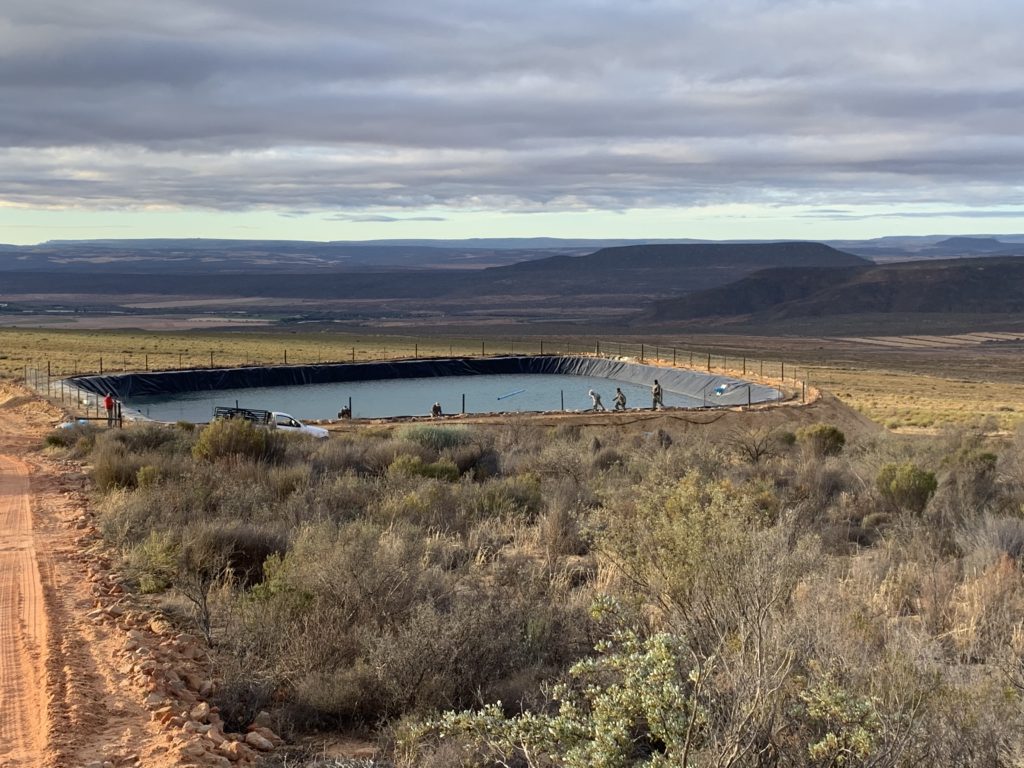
(49, 377)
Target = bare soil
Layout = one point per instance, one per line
(71, 693)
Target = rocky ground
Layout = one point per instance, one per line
(88, 676)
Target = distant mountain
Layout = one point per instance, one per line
(648, 270)
(893, 249)
(161, 256)
(982, 286)
(660, 269)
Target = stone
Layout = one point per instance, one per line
(262, 720)
(233, 750)
(218, 762)
(160, 627)
(215, 735)
(193, 750)
(200, 712)
(206, 688)
(116, 610)
(154, 700)
(262, 743)
(267, 734)
(192, 680)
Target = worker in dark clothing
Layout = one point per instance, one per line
(656, 396)
(619, 399)
(435, 411)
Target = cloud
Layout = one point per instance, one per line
(380, 218)
(319, 105)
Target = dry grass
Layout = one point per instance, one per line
(901, 400)
(70, 351)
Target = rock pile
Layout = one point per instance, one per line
(173, 675)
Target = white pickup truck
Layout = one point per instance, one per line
(272, 419)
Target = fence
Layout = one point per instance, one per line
(48, 376)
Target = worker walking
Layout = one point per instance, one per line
(656, 396)
(620, 399)
(597, 401)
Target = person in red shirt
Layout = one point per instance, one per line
(108, 403)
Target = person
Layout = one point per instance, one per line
(435, 411)
(620, 399)
(656, 396)
(597, 401)
(345, 412)
(108, 404)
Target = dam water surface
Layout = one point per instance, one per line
(411, 397)
(411, 387)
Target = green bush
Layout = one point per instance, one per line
(81, 438)
(906, 486)
(236, 438)
(414, 466)
(822, 439)
(436, 438)
(113, 466)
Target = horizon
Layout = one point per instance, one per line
(493, 242)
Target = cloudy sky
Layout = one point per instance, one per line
(333, 119)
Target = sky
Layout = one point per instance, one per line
(340, 120)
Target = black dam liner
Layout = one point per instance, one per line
(126, 386)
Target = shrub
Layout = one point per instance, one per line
(114, 467)
(822, 439)
(436, 438)
(79, 437)
(906, 486)
(414, 466)
(236, 438)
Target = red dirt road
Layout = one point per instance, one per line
(67, 698)
(22, 624)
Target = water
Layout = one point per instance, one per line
(409, 397)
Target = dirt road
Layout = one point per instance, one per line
(67, 698)
(22, 624)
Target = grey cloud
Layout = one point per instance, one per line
(380, 218)
(320, 105)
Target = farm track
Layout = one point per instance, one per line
(22, 624)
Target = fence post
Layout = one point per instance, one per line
(483, 349)
(147, 361)
(416, 350)
(597, 351)
(211, 358)
(353, 354)
(561, 393)
(744, 366)
(673, 357)
(709, 362)
(286, 355)
(542, 346)
(463, 402)
(782, 376)
(641, 352)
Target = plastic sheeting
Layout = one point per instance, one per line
(681, 381)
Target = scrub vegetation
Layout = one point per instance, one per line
(519, 595)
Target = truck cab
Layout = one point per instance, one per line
(287, 423)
